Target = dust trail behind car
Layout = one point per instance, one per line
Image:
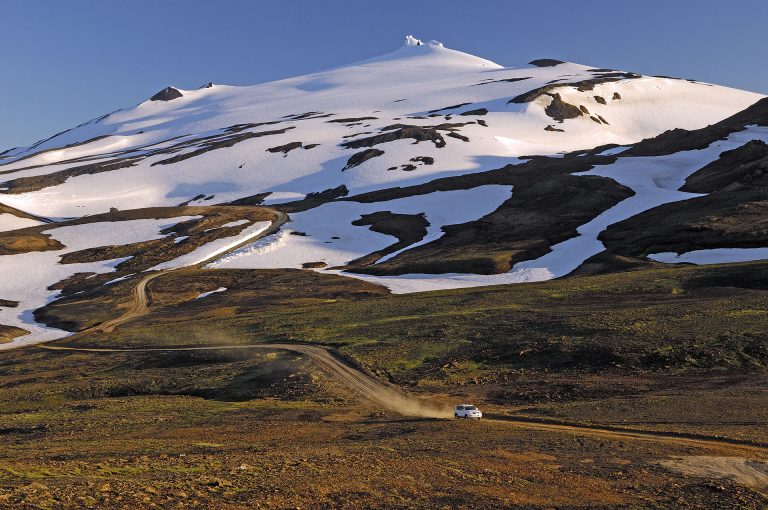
(372, 390)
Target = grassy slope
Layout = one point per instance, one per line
(685, 319)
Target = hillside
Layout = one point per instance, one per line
(423, 169)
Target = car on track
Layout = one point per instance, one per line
(467, 411)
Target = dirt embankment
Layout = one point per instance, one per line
(752, 473)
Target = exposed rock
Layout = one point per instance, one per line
(479, 111)
(286, 148)
(361, 157)
(595, 119)
(236, 128)
(350, 119)
(744, 165)
(602, 119)
(600, 99)
(167, 94)
(257, 199)
(507, 80)
(407, 228)
(399, 132)
(560, 110)
(208, 85)
(329, 194)
(308, 115)
(581, 85)
(553, 128)
(584, 109)
(452, 107)
(218, 142)
(38, 182)
(546, 62)
(463, 138)
(427, 160)
(616, 96)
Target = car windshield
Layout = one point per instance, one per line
(470, 408)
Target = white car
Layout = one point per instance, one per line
(467, 411)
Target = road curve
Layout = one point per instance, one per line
(379, 393)
(388, 397)
(139, 303)
(371, 389)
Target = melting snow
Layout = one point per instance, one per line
(11, 222)
(206, 294)
(214, 248)
(326, 233)
(27, 276)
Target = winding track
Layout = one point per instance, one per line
(371, 389)
(379, 393)
(140, 298)
(388, 397)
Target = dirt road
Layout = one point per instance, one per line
(139, 303)
(371, 389)
(388, 397)
(379, 393)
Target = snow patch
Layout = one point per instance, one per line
(11, 222)
(412, 41)
(214, 248)
(27, 276)
(206, 294)
(326, 233)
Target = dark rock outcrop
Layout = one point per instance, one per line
(427, 160)
(581, 86)
(347, 120)
(738, 167)
(546, 62)
(361, 157)
(329, 194)
(405, 131)
(560, 110)
(167, 94)
(286, 148)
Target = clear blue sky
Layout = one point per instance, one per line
(64, 62)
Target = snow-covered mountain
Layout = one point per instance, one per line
(426, 168)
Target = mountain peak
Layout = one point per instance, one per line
(411, 41)
(419, 54)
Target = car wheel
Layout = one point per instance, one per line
(456, 415)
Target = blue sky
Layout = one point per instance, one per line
(62, 63)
